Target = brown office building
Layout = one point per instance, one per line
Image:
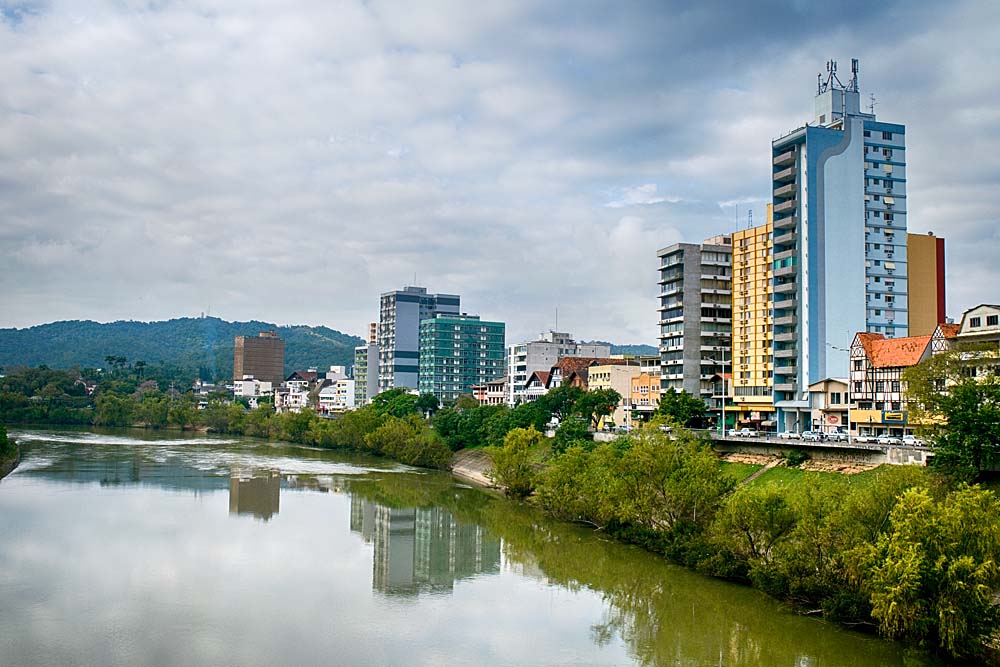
(262, 356)
(925, 255)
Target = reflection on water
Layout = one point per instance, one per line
(254, 493)
(421, 549)
(117, 549)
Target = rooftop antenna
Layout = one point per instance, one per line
(557, 318)
(854, 74)
(750, 219)
(872, 103)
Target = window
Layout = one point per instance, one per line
(975, 322)
(858, 365)
(895, 385)
(857, 387)
(887, 136)
(835, 398)
(868, 133)
(879, 385)
(992, 320)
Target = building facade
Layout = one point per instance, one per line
(365, 373)
(523, 359)
(400, 314)
(839, 241)
(925, 257)
(261, 357)
(695, 314)
(458, 352)
(617, 376)
(878, 392)
(753, 327)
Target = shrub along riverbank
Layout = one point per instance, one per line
(900, 551)
(9, 453)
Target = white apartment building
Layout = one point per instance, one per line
(523, 359)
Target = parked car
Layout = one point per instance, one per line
(912, 441)
(749, 433)
(813, 436)
(864, 438)
(838, 436)
(732, 433)
(789, 435)
(888, 440)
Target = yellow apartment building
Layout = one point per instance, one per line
(753, 325)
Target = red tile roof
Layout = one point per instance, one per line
(949, 330)
(894, 352)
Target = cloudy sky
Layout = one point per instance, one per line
(288, 161)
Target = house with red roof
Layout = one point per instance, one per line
(876, 383)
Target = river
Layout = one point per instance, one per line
(132, 548)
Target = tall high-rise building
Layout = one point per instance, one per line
(925, 256)
(365, 373)
(839, 235)
(523, 359)
(753, 325)
(262, 357)
(400, 314)
(458, 352)
(695, 315)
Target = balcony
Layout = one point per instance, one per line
(788, 237)
(788, 337)
(786, 320)
(785, 191)
(784, 175)
(788, 222)
(787, 157)
(789, 205)
(785, 288)
(785, 271)
(785, 386)
(786, 370)
(785, 254)
(786, 354)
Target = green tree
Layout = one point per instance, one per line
(956, 394)
(410, 441)
(597, 403)
(511, 462)
(466, 402)
(933, 575)
(7, 446)
(682, 408)
(572, 431)
(114, 410)
(397, 402)
(561, 401)
(427, 403)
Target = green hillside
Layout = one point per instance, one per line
(201, 346)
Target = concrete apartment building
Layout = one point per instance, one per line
(523, 359)
(925, 259)
(400, 314)
(458, 352)
(695, 315)
(617, 376)
(261, 357)
(365, 370)
(753, 327)
(839, 241)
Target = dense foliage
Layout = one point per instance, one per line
(956, 394)
(7, 446)
(196, 347)
(512, 469)
(682, 408)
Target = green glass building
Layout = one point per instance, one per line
(458, 352)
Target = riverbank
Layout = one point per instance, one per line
(7, 465)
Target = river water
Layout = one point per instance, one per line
(132, 548)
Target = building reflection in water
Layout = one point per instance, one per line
(421, 549)
(254, 492)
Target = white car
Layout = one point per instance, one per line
(789, 435)
(749, 433)
(732, 433)
(864, 438)
(837, 436)
(888, 440)
(912, 441)
(813, 436)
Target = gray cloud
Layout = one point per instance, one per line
(290, 161)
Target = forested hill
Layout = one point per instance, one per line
(201, 346)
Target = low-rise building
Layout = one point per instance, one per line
(491, 393)
(616, 376)
(830, 404)
(540, 355)
(645, 394)
(336, 395)
(877, 388)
